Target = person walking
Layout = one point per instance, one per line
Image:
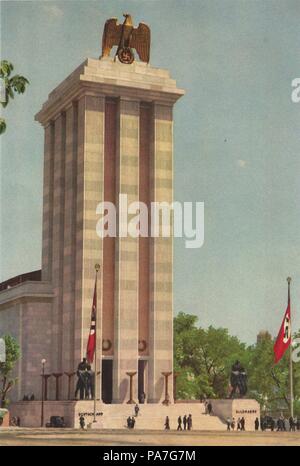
(205, 407)
(278, 424)
(228, 422)
(82, 422)
(238, 425)
(179, 421)
(243, 423)
(272, 425)
(184, 421)
(256, 424)
(136, 410)
(233, 424)
(167, 423)
(189, 422)
(209, 408)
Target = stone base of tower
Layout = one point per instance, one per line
(114, 416)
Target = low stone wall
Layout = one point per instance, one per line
(249, 409)
(29, 412)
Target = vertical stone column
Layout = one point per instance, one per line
(161, 259)
(146, 130)
(126, 279)
(58, 242)
(69, 265)
(108, 266)
(89, 193)
(48, 202)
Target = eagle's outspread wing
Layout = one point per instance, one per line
(111, 35)
(140, 41)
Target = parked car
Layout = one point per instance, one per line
(56, 421)
(267, 422)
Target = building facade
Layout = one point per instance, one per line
(108, 132)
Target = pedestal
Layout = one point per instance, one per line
(247, 408)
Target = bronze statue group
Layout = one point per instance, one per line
(238, 380)
(86, 381)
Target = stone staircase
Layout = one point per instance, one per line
(114, 416)
(150, 417)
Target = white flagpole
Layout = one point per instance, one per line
(291, 356)
(97, 268)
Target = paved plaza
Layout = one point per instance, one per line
(72, 437)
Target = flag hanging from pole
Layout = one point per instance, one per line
(91, 344)
(283, 340)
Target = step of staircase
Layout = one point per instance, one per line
(152, 416)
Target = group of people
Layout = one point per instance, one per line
(131, 419)
(232, 423)
(85, 382)
(186, 422)
(280, 425)
(130, 422)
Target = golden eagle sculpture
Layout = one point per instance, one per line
(126, 37)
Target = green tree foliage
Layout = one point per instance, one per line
(6, 380)
(11, 85)
(203, 360)
(269, 383)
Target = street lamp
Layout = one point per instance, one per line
(43, 361)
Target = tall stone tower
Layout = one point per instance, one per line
(109, 131)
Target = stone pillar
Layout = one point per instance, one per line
(58, 244)
(48, 202)
(88, 245)
(161, 259)
(145, 153)
(108, 264)
(69, 262)
(126, 278)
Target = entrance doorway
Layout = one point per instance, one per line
(107, 380)
(141, 380)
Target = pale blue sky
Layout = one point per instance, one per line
(237, 141)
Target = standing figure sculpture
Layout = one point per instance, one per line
(90, 382)
(86, 381)
(81, 385)
(238, 380)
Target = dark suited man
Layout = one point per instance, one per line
(179, 420)
(189, 422)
